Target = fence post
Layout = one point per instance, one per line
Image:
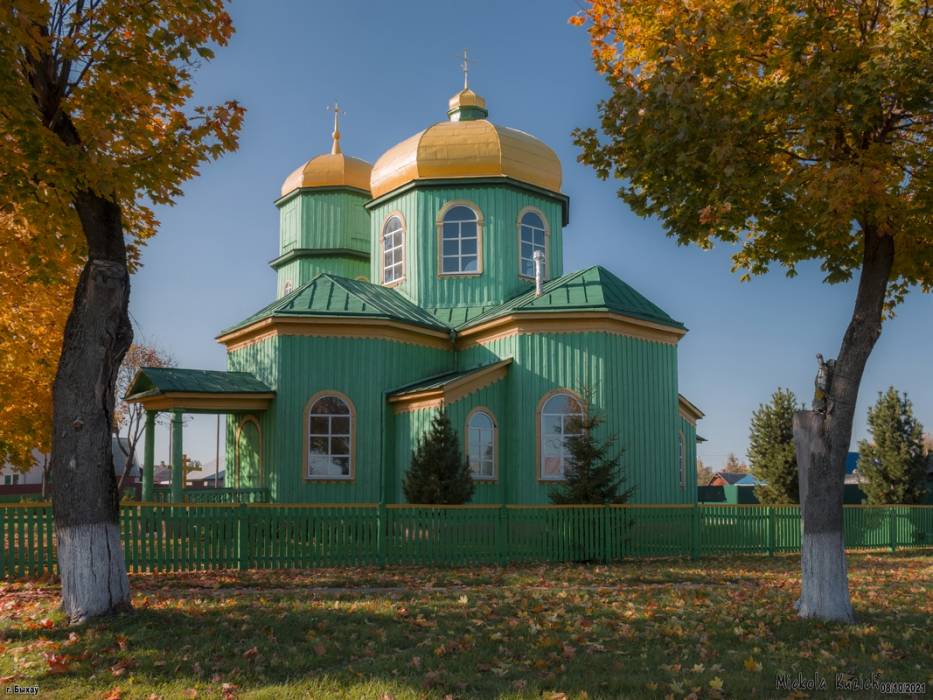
(695, 532)
(770, 530)
(242, 537)
(607, 537)
(381, 534)
(892, 525)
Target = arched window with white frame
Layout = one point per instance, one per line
(561, 415)
(330, 426)
(460, 241)
(481, 444)
(532, 236)
(393, 249)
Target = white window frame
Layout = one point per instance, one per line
(545, 233)
(564, 419)
(399, 274)
(493, 442)
(330, 435)
(441, 256)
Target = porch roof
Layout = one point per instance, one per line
(441, 389)
(198, 390)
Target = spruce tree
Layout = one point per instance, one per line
(893, 463)
(771, 453)
(594, 471)
(439, 472)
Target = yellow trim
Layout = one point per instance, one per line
(382, 249)
(521, 323)
(452, 391)
(439, 238)
(335, 327)
(206, 401)
(688, 411)
(539, 468)
(547, 242)
(495, 442)
(307, 438)
(236, 449)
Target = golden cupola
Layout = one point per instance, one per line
(332, 169)
(467, 146)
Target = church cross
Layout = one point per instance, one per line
(335, 147)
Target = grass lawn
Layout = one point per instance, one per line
(712, 628)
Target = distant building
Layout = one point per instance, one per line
(733, 479)
(13, 480)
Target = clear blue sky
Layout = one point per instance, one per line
(393, 66)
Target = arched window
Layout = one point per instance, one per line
(393, 250)
(481, 444)
(460, 241)
(560, 419)
(683, 459)
(330, 437)
(532, 234)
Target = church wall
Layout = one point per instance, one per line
(305, 269)
(635, 386)
(499, 206)
(362, 369)
(412, 425)
(324, 218)
(690, 442)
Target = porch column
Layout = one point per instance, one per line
(178, 468)
(149, 457)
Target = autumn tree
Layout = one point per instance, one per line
(893, 463)
(771, 453)
(97, 123)
(32, 320)
(791, 132)
(129, 419)
(734, 466)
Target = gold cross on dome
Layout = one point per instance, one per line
(466, 69)
(335, 147)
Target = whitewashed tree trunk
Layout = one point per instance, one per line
(93, 571)
(822, 438)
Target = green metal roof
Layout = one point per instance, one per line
(152, 381)
(332, 295)
(439, 381)
(454, 316)
(592, 289)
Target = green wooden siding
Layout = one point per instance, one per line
(325, 219)
(305, 269)
(635, 386)
(690, 442)
(499, 280)
(362, 369)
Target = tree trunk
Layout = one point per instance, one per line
(822, 441)
(85, 501)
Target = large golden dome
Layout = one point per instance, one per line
(332, 169)
(467, 147)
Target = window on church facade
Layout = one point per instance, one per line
(393, 250)
(330, 438)
(460, 241)
(481, 445)
(560, 420)
(531, 238)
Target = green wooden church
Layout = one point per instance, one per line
(434, 280)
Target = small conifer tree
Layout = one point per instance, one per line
(439, 472)
(594, 473)
(771, 452)
(893, 463)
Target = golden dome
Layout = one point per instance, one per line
(332, 169)
(467, 147)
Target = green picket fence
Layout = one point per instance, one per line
(202, 536)
(162, 494)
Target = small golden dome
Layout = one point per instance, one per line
(467, 148)
(332, 169)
